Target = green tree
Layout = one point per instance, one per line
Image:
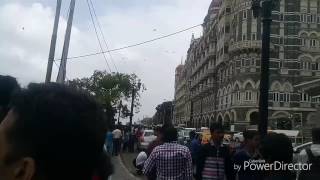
(110, 89)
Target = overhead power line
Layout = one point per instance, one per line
(99, 42)
(103, 37)
(134, 45)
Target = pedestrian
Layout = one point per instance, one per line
(8, 85)
(52, 132)
(158, 141)
(171, 161)
(117, 134)
(247, 153)
(194, 146)
(277, 148)
(139, 161)
(214, 161)
(109, 142)
(311, 156)
(126, 141)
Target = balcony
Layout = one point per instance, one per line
(237, 46)
(314, 49)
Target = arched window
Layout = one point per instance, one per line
(248, 92)
(275, 88)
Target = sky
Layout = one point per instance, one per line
(26, 28)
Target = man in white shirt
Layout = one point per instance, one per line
(315, 150)
(117, 134)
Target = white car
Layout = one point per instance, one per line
(146, 138)
(238, 137)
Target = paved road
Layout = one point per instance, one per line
(120, 172)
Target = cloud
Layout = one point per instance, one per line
(25, 40)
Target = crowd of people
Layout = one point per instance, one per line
(51, 131)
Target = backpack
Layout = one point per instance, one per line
(314, 172)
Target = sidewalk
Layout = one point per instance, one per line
(127, 159)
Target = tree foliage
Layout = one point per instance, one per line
(110, 89)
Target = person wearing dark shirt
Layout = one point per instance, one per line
(277, 147)
(247, 153)
(214, 161)
(158, 141)
(194, 146)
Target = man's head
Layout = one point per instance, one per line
(217, 132)
(316, 135)
(51, 132)
(170, 134)
(276, 147)
(8, 85)
(251, 138)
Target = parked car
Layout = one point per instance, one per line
(298, 149)
(146, 138)
(238, 137)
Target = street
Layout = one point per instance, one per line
(120, 172)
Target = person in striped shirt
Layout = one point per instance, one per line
(214, 159)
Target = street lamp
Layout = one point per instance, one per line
(265, 8)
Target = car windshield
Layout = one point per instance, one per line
(149, 133)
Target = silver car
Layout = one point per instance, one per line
(146, 138)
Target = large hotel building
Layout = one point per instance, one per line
(220, 78)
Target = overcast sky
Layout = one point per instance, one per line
(26, 28)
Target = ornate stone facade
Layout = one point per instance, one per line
(220, 77)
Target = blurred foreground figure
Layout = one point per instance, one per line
(311, 155)
(277, 148)
(8, 85)
(53, 132)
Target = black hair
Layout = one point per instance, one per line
(61, 128)
(250, 134)
(170, 134)
(192, 134)
(276, 147)
(316, 135)
(216, 126)
(8, 85)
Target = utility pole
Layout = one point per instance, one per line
(53, 42)
(63, 64)
(266, 11)
(120, 106)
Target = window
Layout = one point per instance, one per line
(248, 96)
(313, 43)
(305, 97)
(244, 13)
(254, 36)
(304, 42)
(284, 97)
(242, 62)
(313, 18)
(238, 96)
(228, 10)
(304, 18)
(244, 37)
(253, 62)
(275, 96)
(306, 65)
